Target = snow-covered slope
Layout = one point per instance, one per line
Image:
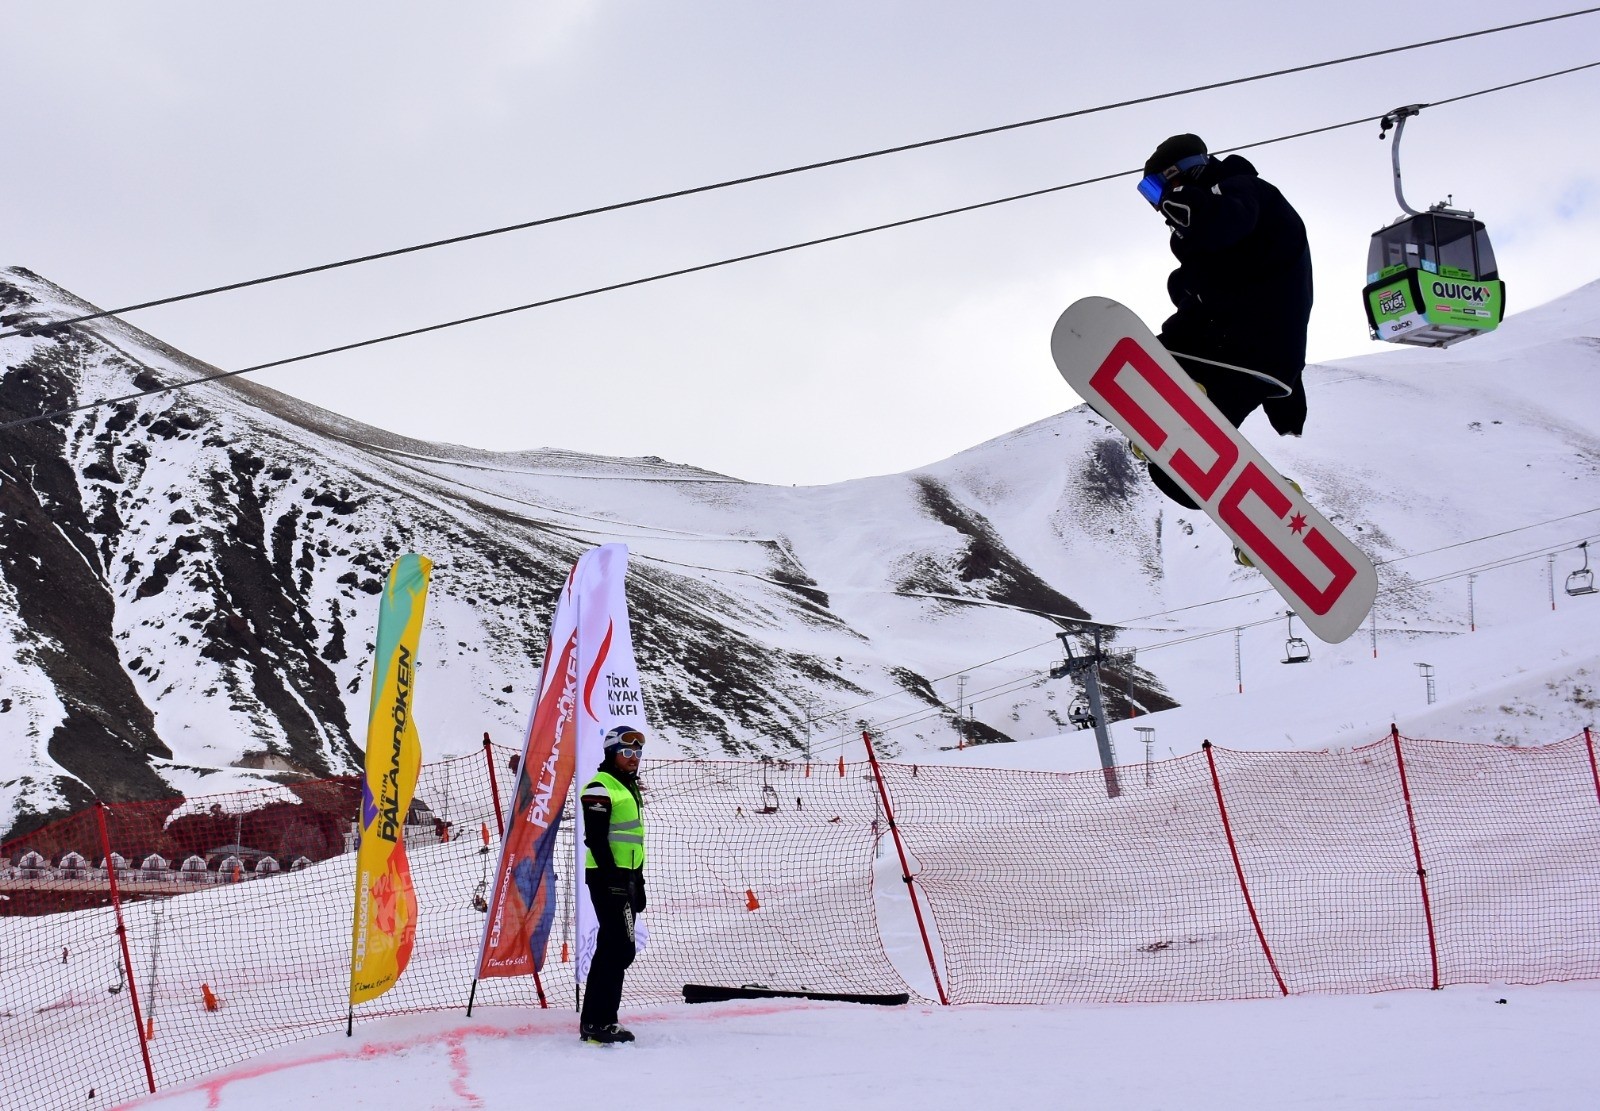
(187, 579)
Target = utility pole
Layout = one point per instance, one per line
(961, 698)
(1147, 734)
(1472, 607)
(1087, 670)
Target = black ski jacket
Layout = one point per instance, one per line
(1242, 289)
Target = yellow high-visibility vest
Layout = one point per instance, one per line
(626, 836)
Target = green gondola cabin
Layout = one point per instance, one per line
(1431, 276)
(1432, 280)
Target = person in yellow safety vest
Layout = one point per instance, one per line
(613, 833)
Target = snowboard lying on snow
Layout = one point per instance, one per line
(707, 993)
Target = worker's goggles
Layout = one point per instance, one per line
(627, 744)
(1153, 187)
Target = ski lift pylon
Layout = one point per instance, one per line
(1295, 649)
(1581, 581)
(1431, 276)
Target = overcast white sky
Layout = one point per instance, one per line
(157, 148)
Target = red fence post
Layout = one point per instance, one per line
(1416, 852)
(905, 866)
(1238, 868)
(494, 785)
(122, 937)
(1588, 740)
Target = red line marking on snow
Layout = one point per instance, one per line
(463, 1072)
(454, 1041)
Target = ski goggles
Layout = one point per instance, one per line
(1153, 187)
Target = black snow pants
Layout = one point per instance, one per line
(1236, 396)
(613, 953)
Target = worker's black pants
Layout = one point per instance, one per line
(613, 953)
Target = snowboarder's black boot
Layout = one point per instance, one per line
(605, 1035)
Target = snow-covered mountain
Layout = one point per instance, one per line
(187, 580)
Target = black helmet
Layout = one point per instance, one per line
(1173, 151)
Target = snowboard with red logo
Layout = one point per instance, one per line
(1111, 359)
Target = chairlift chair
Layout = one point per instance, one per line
(769, 796)
(1295, 649)
(1078, 713)
(1431, 276)
(1581, 581)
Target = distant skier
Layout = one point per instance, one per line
(1242, 289)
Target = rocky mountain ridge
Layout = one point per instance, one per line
(187, 581)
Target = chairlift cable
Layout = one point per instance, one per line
(823, 164)
(824, 746)
(1191, 638)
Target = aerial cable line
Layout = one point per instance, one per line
(699, 268)
(1021, 681)
(824, 745)
(1129, 622)
(844, 160)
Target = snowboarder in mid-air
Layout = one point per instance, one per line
(1242, 289)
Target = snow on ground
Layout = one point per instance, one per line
(1487, 1048)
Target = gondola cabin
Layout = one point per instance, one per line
(1432, 280)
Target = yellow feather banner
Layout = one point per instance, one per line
(385, 927)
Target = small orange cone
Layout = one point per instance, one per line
(210, 997)
(750, 900)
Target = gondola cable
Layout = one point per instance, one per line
(702, 267)
(809, 166)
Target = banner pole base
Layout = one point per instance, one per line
(473, 994)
